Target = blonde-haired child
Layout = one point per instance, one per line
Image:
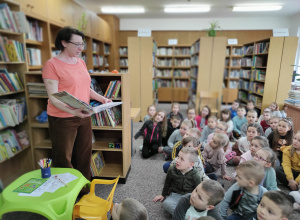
(150, 113)
(273, 125)
(202, 117)
(152, 130)
(242, 145)
(282, 136)
(191, 114)
(175, 137)
(226, 117)
(214, 155)
(265, 123)
(129, 209)
(244, 196)
(170, 128)
(209, 128)
(266, 158)
(289, 173)
(175, 108)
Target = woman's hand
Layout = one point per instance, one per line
(105, 100)
(81, 114)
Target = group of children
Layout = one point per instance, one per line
(262, 149)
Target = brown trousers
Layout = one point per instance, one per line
(71, 143)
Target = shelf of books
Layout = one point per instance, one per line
(195, 48)
(123, 54)
(173, 67)
(233, 59)
(15, 149)
(111, 128)
(263, 75)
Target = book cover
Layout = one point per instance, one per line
(30, 185)
(73, 102)
(98, 162)
(95, 86)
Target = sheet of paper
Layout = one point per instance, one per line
(52, 184)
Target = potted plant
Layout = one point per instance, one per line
(214, 25)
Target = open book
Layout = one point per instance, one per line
(73, 102)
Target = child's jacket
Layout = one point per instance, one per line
(151, 133)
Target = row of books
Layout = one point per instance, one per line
(237, 51)
(194, 71)
(293, 98)
(261, 47)
(195, 47)
(182, 62)
(113, 90)
(257, 88)
(233, 73)
(181, 83)
(108, 117)
(106, 48)
(258, 75)
(244, 84)
(259, 61)
(14, 21)
(35, 31)
(163, 62)
(194, 60)
(98, 60)
(181, 73)
(123, 62)
(9, 144)
(11, 50)
(35, 88)
(193, 84)
(96, 47)
(245, 74)
(12, 112)
(97, 163)
(245, 61)
(164, 51)
(123, 51)
(123, 71)
(9, 82)
(34, 56)
(164, 83)
(182, 51)
(162, 72)
(233, 84)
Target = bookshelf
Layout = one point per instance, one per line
(21, 162)
(208, 55)
(123, 54)
(264, 69)
(234, 54)
(141, 54)
(172, 72)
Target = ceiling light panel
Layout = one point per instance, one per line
(122, 10)
(187, 9)
(257, 8)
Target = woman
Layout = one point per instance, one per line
(70, 129)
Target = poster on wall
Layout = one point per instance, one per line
(144, 32)
(281, 32)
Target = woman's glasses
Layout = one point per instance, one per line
(77, 44)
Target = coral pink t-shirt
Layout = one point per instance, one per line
(73, 78)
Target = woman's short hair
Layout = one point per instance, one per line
(66, 35)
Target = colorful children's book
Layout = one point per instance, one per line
(98, 162)
(30, 185)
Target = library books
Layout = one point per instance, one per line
(106, 49)
(9, 82)
(164, 51)
(35, 88)
(12, 20)
(11, 50)
(35, 31)
(109, 117)
(294, 98)
(97, 163)
(123, 51)
(113, 90)
(123, 62)
(95, 86)
(181, 73)
(75, 103)
(34, 56)
(9, 144)
(261, 47)
(162, 72)
(12, 112)
(248, 50)
(182, 51)
(182, 62)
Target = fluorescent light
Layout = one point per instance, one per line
(122, 10)
(257, 8)
(185, 9)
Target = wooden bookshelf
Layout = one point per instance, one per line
(140, 68)
(233, 58)
(172, 72)
(266, 79)
(21, 162)
(208, 55)
(123, 59)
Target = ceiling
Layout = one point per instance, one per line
(219, 8)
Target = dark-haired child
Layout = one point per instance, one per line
(226, 117)
(202, 117)
(234, 108)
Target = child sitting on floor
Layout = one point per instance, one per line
(238, 121)
(175, 108)
(265, 123)
(242, 145)
(274, 205)
(202, 118)
(175, 137)
(202, 202)
(150, 113)
(181, 179)
(226, 117)
(244, 196)
(234, 108)
(129, 209)
(284, 111)
(171, 127)
(273, 125)
(214, 156)
(251, 118)
(208, 129)
(191, 114)
(266, 158)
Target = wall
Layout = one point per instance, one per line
(295, 24)
(244, 23)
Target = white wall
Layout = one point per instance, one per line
(294, 24)
(203, 23)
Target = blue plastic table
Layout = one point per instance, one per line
(57, 205)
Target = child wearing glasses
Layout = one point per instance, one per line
(282, 136)
(243, 144)
(266, 158)
(289, 173)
